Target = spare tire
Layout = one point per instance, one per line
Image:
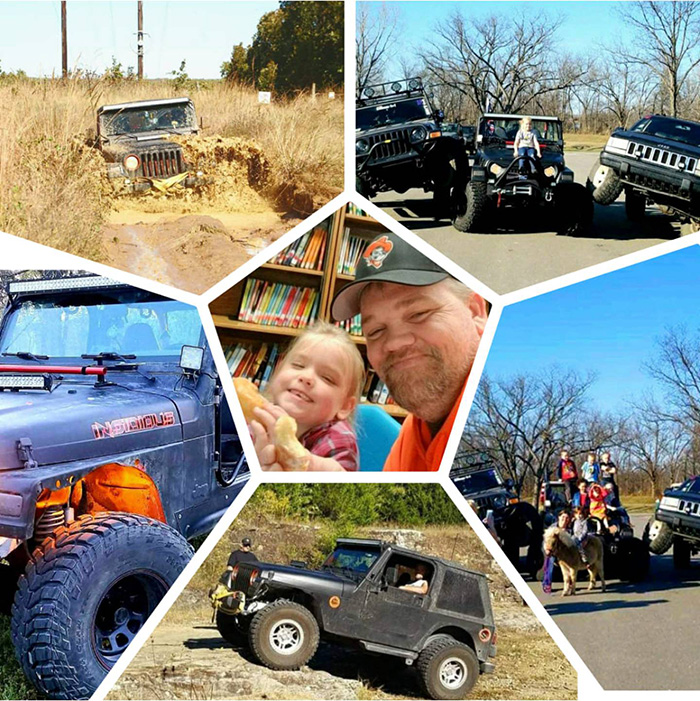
(658, 536)
(603, 184)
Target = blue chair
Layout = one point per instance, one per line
(376, 433)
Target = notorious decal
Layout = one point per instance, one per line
(132, 424)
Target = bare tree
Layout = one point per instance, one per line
(377, 31)
(666, 42)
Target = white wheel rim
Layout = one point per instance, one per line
(453, 673)
(654, 529)
(286, 637)
(599, 176)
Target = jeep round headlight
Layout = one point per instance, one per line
(132, 162)
(418, 134)
(361, 146)
(495, 169)
(551, 171)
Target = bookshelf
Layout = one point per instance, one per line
(347, 232)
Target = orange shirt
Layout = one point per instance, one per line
(416, 450)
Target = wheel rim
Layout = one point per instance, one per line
(121, 613)
(654, 529)
(453, 673)
(599, 176)
(286, 637)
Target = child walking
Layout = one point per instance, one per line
(318, 383)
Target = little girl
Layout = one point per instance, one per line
(526, 143)
(318, 383)
(581, 529)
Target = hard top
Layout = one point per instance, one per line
(385, 545)
(668, 116)
(496, 115)
(145, 103)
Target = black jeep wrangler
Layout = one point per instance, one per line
(502, 183)
(517, 523)
(676, 522)
(359, 597)
(402, 142)
(116, 445)
(134, 140)
(657, 161)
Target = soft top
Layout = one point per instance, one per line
(145, 103)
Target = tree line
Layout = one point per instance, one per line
(521, 423)
(515, 63)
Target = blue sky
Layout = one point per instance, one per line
(585, 23)
(609, 324)
(203, 33)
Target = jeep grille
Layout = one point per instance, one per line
(461, 593)
(662, 157)
(390, 144)
(162, 164)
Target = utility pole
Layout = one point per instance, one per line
(139, 40)
(64, 39)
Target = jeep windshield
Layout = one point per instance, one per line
(471, 483)
(671, 129)
(391, 113)
(505, 129)
(91, 322)
(140, 120)
(353, 562)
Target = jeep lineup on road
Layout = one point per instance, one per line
(356, 598)
(676, 522)
(116, 445)
(516, 522)
(401, 142)
(503, 184)
(134, 140)
(657, 161)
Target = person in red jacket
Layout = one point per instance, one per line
(566, 472)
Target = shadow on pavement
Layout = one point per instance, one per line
(570, 605)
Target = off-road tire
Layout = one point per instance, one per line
(442, 203)
(635, 206)
(658, 536)
(681, 554)
(54, 626)
(603, 184)
(430, 663)
(634, 560)
(361, 188)
(574, 209)
(263, 625)
(475, 210)
(231, 630)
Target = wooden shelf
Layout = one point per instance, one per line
(364, 222)
(292, 269)
(224, 322)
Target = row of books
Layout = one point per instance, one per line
(278, 304)
(255, 363)
(306, 252)
(353, 325)
(351, 248)
(375, 391)
(355, 210)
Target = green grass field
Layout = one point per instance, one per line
(13, 684)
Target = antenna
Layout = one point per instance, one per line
(139, 40)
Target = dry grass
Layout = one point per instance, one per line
(638, 503)
(578, 141)
(52, 185)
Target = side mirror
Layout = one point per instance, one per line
(509, 484)
(191, 358)
(439, 115)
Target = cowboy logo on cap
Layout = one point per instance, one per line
(377, 251)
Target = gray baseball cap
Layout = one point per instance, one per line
(388, 258)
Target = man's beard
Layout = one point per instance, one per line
(428, 391)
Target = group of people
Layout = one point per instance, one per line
(422, 328)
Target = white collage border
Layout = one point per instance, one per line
(17, 254)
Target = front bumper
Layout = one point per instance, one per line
(487, 667)
(683, 524)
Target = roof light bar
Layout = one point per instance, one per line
(17, 382)
(72, 283)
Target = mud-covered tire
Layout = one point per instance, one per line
(574, 209)
(603, 184)
(77, 579)
(231, 630)
(658, 536)
(474, 210)
(284, 635)
(448, 669)
(635, 206)
(681, 554)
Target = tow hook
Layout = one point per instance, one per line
(548, 196)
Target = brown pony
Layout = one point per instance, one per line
(560, 544)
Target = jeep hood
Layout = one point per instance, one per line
(286, 572)
(77, 421)
(430, 125)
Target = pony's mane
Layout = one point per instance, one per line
(556, 533)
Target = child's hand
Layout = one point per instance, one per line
(262, 431)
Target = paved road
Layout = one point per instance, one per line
(507, 261)
(647, 638)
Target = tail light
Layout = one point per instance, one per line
(484, 635)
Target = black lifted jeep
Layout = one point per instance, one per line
(502, 183)
(517, 523)
(116, 445)
(133, 138)
(657, 161)
(359, 597)
(401, 142)
(676, 522)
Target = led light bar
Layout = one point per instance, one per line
(17, 382)
(70, 283)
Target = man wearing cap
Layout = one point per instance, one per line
(243, 554)
(422, 329)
